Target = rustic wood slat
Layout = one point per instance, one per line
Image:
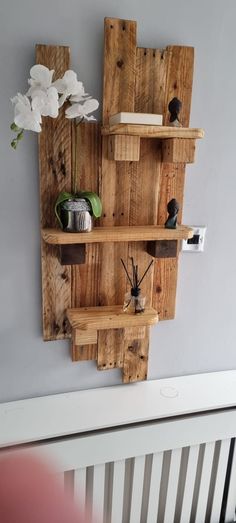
(117, 234)
(55, 176)
(118, 95)
(109, 317)
(124, 148)
(86, 161)
(119, 66)
(179, 76)
(178, 150)
(144, 195)
(153, 131)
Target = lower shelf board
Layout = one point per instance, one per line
(87, 319)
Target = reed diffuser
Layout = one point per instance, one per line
(134, 301)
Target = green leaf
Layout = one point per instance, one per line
(20, 135)
(14, 143)
(94, 200)
(62, 197)
(15, 128)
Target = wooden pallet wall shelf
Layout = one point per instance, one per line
(135, 170)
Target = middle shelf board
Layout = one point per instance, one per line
(117, 234)
(109, 317)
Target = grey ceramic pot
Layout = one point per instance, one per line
(76, 215)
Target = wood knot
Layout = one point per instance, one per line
(56, 327)
(120, 63)
(158, 289)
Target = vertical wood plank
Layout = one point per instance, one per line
(112, 354)
(144, 195)
(118, 95)
(80, 488)
(87, 164)
(119, 66)
(189, 484)
(137, 490)
(179, 76)
(205, 482)
(55, 176)
(118, 491)
(220, 480)
(172, 485)
(154, 491)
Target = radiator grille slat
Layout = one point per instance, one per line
(220, 480)
(154, 489)
(231, 497)
(172, 485)
(118, 491)
(189, 483)
(80, 487)
(205, 483)
(137, 490)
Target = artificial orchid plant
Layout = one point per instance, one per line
(45, 97)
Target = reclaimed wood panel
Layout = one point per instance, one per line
(119, 66)
(87, 163)
(55, 176)
(109, 317)
(114, 187)
(152, 131)
(118, 234)
(179, 77)
(150, 82)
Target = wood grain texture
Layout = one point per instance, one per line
(136, 359)
(109, 317)
(118, 95)
(86, 172)
(153, 131)
(117, 233)
(119, 66)
(124, 148)
(55, 176)
(177, 150)
(179, 76)
(144, 195)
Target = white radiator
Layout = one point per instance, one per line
(178, 469)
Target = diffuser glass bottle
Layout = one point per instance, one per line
(134, 301)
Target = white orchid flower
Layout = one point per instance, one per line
(25, 116)
(46, 102)
(41, 78)
(82, 110)
(69, 86)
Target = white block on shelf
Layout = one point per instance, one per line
(136, 118)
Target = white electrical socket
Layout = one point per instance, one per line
(195, 244)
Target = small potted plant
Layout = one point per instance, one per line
(75, 211)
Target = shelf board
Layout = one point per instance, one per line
(153, 131)
(117, 234)
(109, 317)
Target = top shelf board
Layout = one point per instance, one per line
(117, 234)
(153, 131)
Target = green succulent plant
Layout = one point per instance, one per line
(93, 199)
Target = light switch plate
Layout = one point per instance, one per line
(195, 244)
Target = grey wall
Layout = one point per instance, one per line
(202, 337)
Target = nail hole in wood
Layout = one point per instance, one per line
(120, 63)
(111, 26)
